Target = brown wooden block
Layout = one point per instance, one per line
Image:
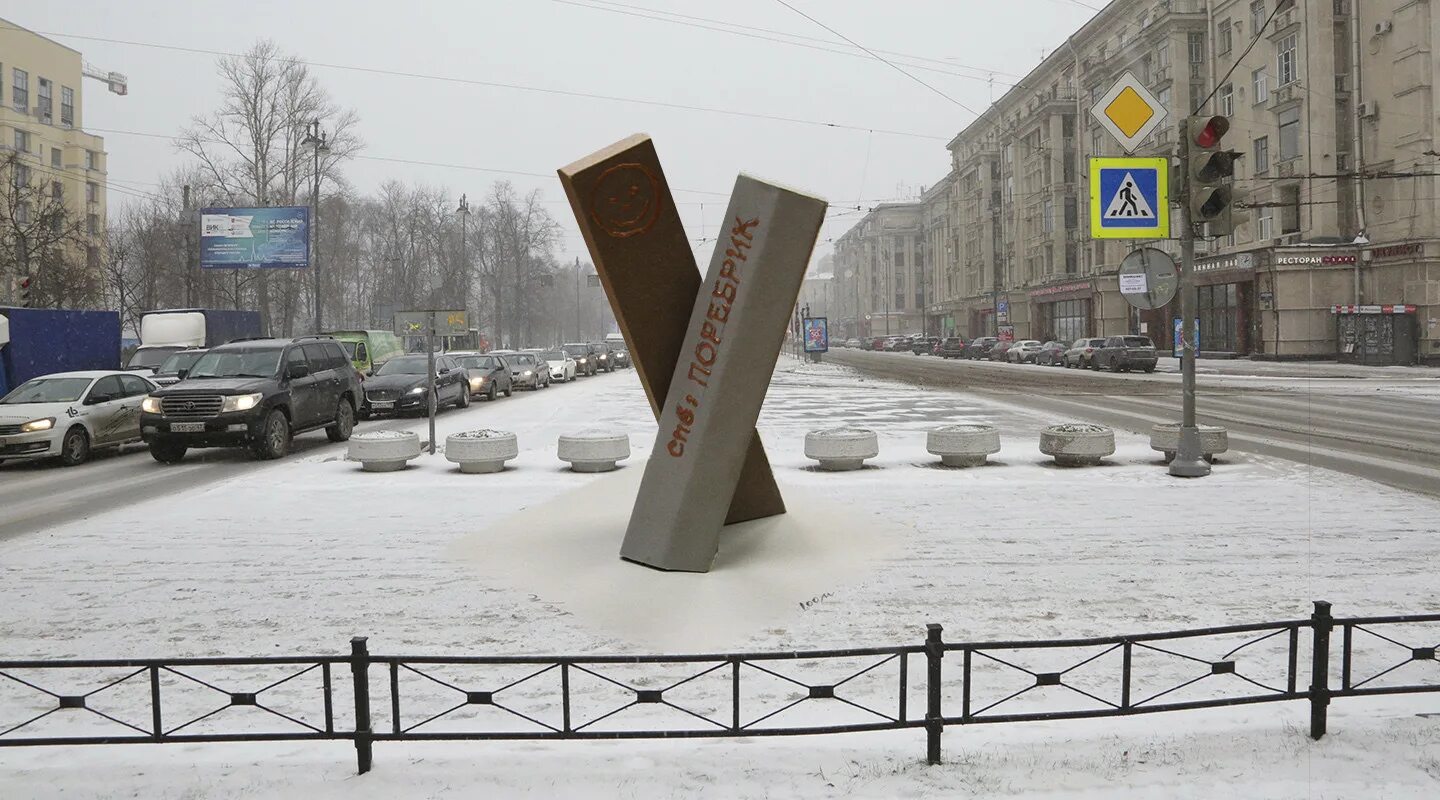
(632, 228)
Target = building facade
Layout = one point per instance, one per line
(1333, 108)
(47, 155)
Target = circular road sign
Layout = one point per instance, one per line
(1148, 278)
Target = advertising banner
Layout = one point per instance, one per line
(817, 335)
(1179, 343)
(255, 238)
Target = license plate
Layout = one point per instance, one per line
(187, 427)
(381, 406)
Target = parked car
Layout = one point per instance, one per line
(853, 344)
(487, 374)
(1023, 351)
(600, 353)
(896, 344)
(1124, 353)
(527, 372)
(562, 366)
(177, 365)
(1000, 351)
(1082, 351)
(400, 385)
(69, 415)
(585, 361)
(876, 344)
(618, 350)
(258, 394)
(979, 347)
(1052, 354)
(951, 347)
(925, 345)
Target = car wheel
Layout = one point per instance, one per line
(167, 452)
(510, 390)
(464, 401)
(490, 393)
(274, 437)
(1149, 369)
(75, 447)
(344, 422)
(1114, 366)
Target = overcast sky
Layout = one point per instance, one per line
(593, 47)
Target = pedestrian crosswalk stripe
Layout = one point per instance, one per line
(1129, 202)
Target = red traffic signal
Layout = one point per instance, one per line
(1213, 131)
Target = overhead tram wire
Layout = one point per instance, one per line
(501, 85)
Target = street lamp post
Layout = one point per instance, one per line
(464, 211)
(316, 138)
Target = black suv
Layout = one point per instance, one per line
(254, 393)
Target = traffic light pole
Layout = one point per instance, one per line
(1189, 461)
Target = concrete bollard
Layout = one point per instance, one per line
(841, 449)
(482, 451)
(593, 451)
(967, 445)
(1077, 444)
(384, 451)
(1165, 438)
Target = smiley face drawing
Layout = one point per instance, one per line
(626, 200)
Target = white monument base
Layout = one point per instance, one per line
(764, 570)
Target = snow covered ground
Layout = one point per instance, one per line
(296, 558)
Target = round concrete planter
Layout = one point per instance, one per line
(482, 451)
(384, 451)
(593, 451)
(841, 449)
(1077, 444)
(963, 445)
(1165, 438)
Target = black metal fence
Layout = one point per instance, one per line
(726, 695)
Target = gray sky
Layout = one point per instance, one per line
(575, 46)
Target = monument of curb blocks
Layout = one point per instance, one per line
(708, 467)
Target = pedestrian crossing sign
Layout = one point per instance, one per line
(1129, 198)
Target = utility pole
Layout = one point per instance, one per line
(464, 211)
(1189, 461)
(577, 298)
(317, 139)
(189, 266)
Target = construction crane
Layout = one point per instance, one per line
(117, 82)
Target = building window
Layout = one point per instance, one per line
(55, 157)
(1196, 42)
(1289, 134)
(1047, 216)
(1072, 214)
(1285, 60)
(1262, 155)
(1069, 319)
(1164, 97)
(1290, 209)
(20, 94)
(91, 162)
(1162, 56)
(92, 257)
(1227, 100)
(45, 100)
(1222, 37)
(1261, 83)
(1267, 224)
(92, 223)
(1257, 16)
(22, 140)
(899, 258)
(57, 190)
(92, 192)
(21, 176)
(1219, 315)
(67, 106)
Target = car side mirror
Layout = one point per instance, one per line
(294, 371)
(97, 399)
(444, 370)
(182, 374)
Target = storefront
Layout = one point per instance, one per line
(1063, 312)
(1224, 308)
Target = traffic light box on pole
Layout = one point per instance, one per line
(22, 292)
(1211, 189)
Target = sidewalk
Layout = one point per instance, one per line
(1298, 369)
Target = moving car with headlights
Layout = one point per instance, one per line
(177, 366)
(585, 361)
(1082, 351)
(257, 394)
(621, 353)
(400, 386)
(600, 354)
(562, 366)
(1124, 353)
(1023, 351)
(69, 415)
(489, 374)
(527, 371)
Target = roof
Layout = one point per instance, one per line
(8, 23)
(89, 373)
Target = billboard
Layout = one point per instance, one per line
(255, 238)
(817, 335)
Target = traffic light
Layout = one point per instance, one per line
(22, 291)
(1212, 191)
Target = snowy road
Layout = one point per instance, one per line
(1381, 427)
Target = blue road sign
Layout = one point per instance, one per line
(1129, 198)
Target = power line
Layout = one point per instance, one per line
(879, 57)
(500, 85)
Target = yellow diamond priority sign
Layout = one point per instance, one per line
(1129, 111)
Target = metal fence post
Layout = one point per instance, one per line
(1321, 624)
(360, 668)
(934, 722)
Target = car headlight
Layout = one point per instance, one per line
(150, 405)
(418, 390)
(37, 425)
(581, 361)
(475, 383)
(602, 358)
(240, 402)
(527, 373)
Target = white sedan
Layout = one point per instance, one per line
(68, 415)
(562, 366)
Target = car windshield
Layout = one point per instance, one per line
(179, 361)
(237, 364)
(1029, 343)
(577, 349)
(149, 359)
(1138, 341)
(553, 355)
(406, 365)
(47, 390)
(477, 362)
(521, 361)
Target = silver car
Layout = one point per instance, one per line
(527, 371)
(1082, 352)
(1023, 351)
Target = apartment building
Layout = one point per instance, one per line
(880, 286)
(45, 150)
(1333, 108)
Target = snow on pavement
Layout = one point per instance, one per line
(296, 558)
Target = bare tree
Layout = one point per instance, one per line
(43, 238)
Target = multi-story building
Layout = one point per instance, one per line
(1333, 109)
(880, 272)
(45, 150)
